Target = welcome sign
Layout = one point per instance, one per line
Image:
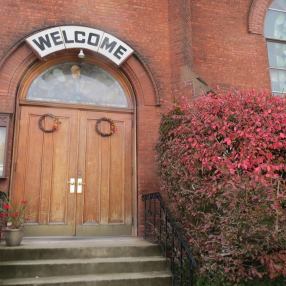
(70, 37)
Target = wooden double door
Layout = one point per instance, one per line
(75, 181)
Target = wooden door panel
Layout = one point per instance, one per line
(59, 172)
(128, 171)
(46, 161)
(104, 187)
(117, 174)
(89, 159)
(106, 163)
(46, 184)
(28, 171)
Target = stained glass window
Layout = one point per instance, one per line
(77, 83)
(275, 33)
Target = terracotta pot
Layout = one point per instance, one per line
(13, 237)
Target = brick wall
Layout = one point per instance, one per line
(224, 52)
(180, 52)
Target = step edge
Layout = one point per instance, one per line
(71, 261)
(87, 277)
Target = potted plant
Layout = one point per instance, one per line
(14, 215)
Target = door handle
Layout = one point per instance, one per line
(79, 185)
(71, 182)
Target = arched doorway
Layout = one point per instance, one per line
(75, 149)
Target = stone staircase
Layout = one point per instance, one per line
(88, 262)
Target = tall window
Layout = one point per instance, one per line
(275, 34)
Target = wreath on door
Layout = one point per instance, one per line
(55, 126)
(112, 127)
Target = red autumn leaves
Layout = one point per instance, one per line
(222, 160)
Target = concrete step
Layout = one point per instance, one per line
(123, 279)
(58, 267)
(35, 250)
(101, 262)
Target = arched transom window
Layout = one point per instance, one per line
(275, 34)
(78, 83)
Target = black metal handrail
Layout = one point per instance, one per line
(162, 228)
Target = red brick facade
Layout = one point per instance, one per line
(224, 51)
(257, 14)
(179, 45)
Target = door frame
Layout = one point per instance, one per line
(39, 66)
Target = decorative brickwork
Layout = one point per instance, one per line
(257, 14)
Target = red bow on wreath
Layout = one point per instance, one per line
(55, 126)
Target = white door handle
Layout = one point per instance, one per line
(71, 182)
(79, 185)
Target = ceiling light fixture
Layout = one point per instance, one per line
(81, 54)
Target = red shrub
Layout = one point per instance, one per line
(223, 163)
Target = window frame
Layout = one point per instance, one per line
(5, 119)
(275, 41)
(40, 66)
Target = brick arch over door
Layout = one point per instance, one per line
(20, 58)
(18, 61)
(256, 16)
